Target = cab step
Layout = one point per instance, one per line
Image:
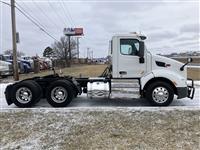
(125, 88)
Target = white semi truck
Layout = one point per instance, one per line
(134, 72)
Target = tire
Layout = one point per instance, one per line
(66, 93)
(31, 95)
(40, 93)
(75, 94)
(160, 94)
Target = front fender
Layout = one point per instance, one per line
(145, 79)
(177, 79)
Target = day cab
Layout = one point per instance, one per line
(133, 72)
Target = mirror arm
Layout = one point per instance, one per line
(189, 61)
(182, 68)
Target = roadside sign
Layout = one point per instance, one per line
(73, 31)
(17, 37)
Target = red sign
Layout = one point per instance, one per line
(79, 31)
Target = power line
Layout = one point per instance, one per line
(5, 3)
(67, 14)
(32, 20)
(30, 12)
(45, 15)
(35, 23)
(55, 11)
(29, 15)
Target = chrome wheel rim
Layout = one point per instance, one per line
(59, 94)
(24, 95)
(160, 94)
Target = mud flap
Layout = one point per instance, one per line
(8, 94)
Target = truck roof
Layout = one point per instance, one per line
(134, 34)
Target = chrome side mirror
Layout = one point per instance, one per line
(189, 60)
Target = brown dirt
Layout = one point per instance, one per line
(76, 71)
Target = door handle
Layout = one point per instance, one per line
(122, 72)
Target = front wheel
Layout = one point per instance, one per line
(160, 94)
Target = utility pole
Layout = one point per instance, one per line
(88, 50)
(78, 52)
(92, 54)
(69, 51)
(15, 64)
(66, 60)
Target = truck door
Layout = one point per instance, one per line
(128, 59)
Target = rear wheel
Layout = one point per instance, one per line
(59, 93)
(25, 93)
(160, 94)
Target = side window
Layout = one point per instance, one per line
(129, 47)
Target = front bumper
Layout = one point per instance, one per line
(191, 89)
(188, 91)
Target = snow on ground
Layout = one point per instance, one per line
(101, 124)
(84, 101)
(194, 67)
(100, 128)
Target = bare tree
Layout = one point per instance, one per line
(63, 46)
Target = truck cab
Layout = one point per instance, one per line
(128, 60)
(132, 60)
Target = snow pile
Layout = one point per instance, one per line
(194, 67)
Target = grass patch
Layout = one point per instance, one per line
(194, 73)
(94, 71)
(75, 71)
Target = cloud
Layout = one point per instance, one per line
(166, 24)
(162, 35)
(188, 43)
(190, 28)
(186, 38)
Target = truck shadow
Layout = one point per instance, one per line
(99, 102)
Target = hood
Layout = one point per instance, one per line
(161, 62)
(167, 60)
